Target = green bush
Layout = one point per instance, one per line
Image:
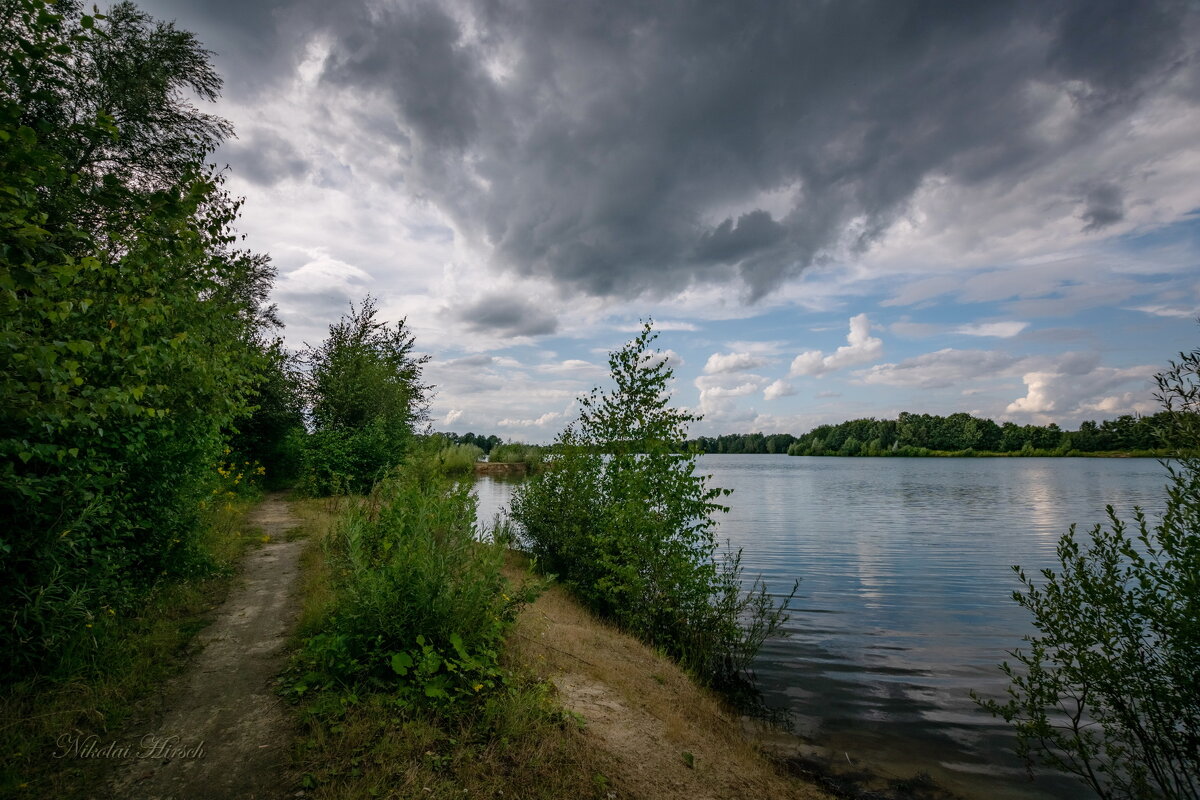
(421, 606)
(517, 453)
(459, 459)
(365, 393)
(1109, 688)
(273, 432)
(627, 524)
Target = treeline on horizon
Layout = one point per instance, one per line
(914, 435)
(961, 434)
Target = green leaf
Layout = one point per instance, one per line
(401, 663)
(457, 643)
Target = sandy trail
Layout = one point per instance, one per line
(223, 733)
(662, 736)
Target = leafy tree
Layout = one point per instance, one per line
(626, 522)
(106, 95)
(128, 331)
(1109, 688)
(365, 394)
(273, 433)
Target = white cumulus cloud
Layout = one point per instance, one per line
(732, 362)
(779, 388)
(541, 422)
(860, 348)
(946, 367)
(1104, 390)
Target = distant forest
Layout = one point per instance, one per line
(484, 443)
(929, 434)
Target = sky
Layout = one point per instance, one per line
(830, 210)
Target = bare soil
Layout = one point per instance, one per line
(663, 736)
(220, 731)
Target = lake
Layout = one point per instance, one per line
(905, 592)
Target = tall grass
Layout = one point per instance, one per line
(517, 453)
(459, 459)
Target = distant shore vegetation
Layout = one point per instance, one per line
(909, 435)
(954, 435)
(492, 448)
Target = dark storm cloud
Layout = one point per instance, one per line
(264, 158)
(508, 315)
(254, 41)
(623, 146)
(1104, 206)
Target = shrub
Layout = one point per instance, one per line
(517, 453)
(459, 459)
(421, 605)
(365, 392)
(627, 524)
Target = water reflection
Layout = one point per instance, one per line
(904, 601)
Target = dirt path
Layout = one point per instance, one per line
(223, 733)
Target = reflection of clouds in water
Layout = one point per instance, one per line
(870, 566)
(905, 599)
(493, 494)
(1041, 503)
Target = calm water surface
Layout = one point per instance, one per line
(905, 593)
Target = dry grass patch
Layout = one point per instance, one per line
(664, 736)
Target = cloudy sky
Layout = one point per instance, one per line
(830, 209)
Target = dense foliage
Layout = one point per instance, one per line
(518, 453)
(457, 459)
(929, 434)
(273, 434)
(1109, 688)
(365, 396)
(627, 524)
(131, 330)
(735, 443)
(419, 602)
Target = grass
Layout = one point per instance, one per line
(517, 453)
(459, 459)
(429, 663)
(134, 656)
(586, 711)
